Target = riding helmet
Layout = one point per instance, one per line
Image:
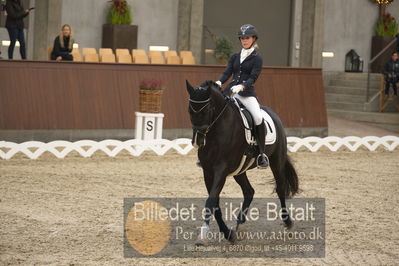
(248, 30)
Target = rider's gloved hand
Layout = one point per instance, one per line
(219, 83)
(237, 88)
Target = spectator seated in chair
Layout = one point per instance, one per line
(391, 73)
(63, 45)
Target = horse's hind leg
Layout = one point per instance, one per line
(278, 173)
(248, 192)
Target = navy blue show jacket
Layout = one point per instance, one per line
(245, 74)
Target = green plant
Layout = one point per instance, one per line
(223, 49)
(386, 26)
(151, 84)
(119, 13)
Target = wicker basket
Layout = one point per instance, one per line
(150, 101)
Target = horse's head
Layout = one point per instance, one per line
(202, 103)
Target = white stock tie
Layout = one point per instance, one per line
(245, 53)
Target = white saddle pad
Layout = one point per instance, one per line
(271, 129)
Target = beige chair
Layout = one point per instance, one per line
(49, 51)
(141, 59)
(157, 59)
(138, 52)
(173, 60)
(124, 58)
(188, 60)
(170, 53)
(86, 51)
(76, 56)
(122, 52)
(103, 51)
(186, 53)
(91, 58)
(155, 53)
(107, 58)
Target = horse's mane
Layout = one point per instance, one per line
(207, 83)
(213, 86)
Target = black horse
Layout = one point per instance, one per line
(218, 132)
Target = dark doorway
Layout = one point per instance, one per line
(272, 19)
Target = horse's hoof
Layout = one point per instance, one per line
(232, 237)
(201, 242)
(240, 229)
(289, 224)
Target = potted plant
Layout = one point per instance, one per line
(150, 96)
(223, 49)
(118, 33)
(385, 31)
(387, 26)
(119, 13)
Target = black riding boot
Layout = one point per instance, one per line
(262, 160)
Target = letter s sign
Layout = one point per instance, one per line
(150, 125)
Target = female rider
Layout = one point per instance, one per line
(245, 67)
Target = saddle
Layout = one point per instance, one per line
(248, 158)
(249, 125)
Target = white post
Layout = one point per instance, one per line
(159, 128)
(149, 126)
(139, 126)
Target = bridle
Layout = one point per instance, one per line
(208, 101)
(204, 130)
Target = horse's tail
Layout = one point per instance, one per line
(291, 179)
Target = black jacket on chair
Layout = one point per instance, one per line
(15, 14)
(245, 74)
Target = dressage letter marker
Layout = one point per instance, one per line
(149, 126)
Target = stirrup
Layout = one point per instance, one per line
(261, 166)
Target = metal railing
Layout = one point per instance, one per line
(372, 61)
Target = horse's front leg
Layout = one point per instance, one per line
(214, 184)
(248, 192)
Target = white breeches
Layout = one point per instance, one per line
(253, 107)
